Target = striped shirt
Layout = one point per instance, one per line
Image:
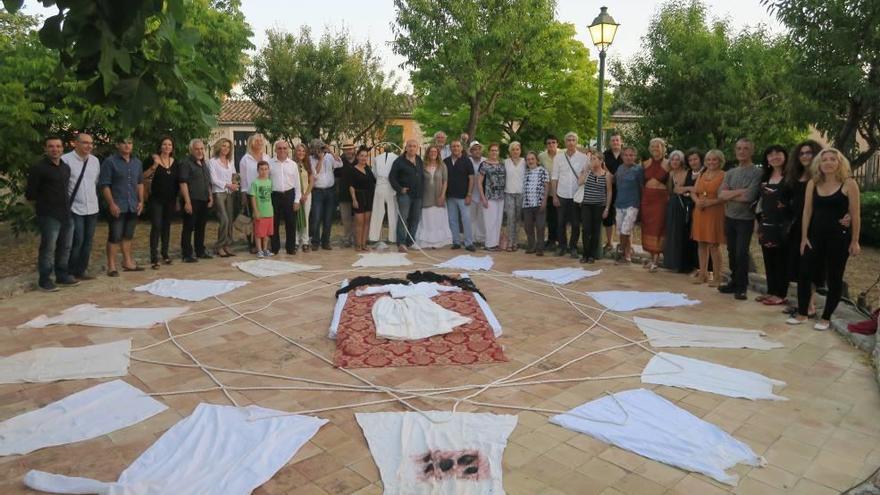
(595, 189)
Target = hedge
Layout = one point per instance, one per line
(871, 218)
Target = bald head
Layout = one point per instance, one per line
(411, 149)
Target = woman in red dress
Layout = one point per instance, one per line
(654, 200)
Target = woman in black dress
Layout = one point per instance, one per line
(361, 186)
(774, 220)
(678, 216)
(163, 173)
(797, 174)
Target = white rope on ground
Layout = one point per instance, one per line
(196, 361)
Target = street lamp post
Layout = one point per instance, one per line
(602, 31)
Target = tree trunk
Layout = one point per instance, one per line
(473, 119)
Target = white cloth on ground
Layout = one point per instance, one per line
(93, 316)
(413, 318)
(49, 364)
(463, 450)
(190, 290)
(382, 259)
(673, 334)
(427, 289)
(666, 369)
(87, 414)
(468, 262)
(216, 450)
(337, 311)
(487, 311)
(651, 426)
(560, 276)
(631, 300)
(272, 268)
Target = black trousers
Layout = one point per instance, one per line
(776, 269)
(282, 204)
(739, 236)
(828, 256)
(551, 221)
(568, 213)
(194, 229)
(161, 214)
(591, 222)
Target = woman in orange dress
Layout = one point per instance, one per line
(655, 197)
(708, 223)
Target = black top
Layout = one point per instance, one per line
(611, 163)
(166, 181)
(360, 181)
(827, 213)
(457, 176)
(405, 173)
(197, 177)
(47, 185)
(340, 175)
(797, 195)
(775, 204)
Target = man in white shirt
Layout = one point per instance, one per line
(323, 193)
(286, 193)
(384, 199)
(83, 191)
(478, 227)
(440, 142)
(567, 167)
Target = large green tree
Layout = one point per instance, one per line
(327, 88)
(837, 64)
(696, 82)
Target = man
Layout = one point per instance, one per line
(476, 209)
(546, 157)
(384, 198)
(195, 190)
(460, 183)
(286, 193)
(567, 167)
(406, 179)
(630, 178)
(440, 142)
(47, 184)
(83, 192)
(739, 191)
(612, 162)
(323, 164)
(122, 185)
(343, 196)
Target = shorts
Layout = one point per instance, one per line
(626, 220)
(121, 227)
(264, 227)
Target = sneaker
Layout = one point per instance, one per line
(268, 253)
(456, 246)
(740, 296)
(470, 248)
(48, 286)
(260, 254)
(822, 326)
(726, 289)
(67, 282)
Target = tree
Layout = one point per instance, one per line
(471, 52)
(837, 64)
(325, 89)
(696, 83)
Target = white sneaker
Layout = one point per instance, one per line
(821, 326)
(268, 253)
(795, 321)
(260, 254)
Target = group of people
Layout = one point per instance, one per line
(803, 205)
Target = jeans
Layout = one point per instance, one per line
(56, 237)
(81, 249)
(161, 213)
(568, 212)
(513, 214)
(410, 210)
(321, 216)
(455, 209)
(282, 204)
(194, 229)
(224, 207)
(591, 221)
(739, 236)
(533, 220)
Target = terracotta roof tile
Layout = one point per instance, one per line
(238, 111)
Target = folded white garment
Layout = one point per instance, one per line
(214, 451)
(680, 371)
(49, 364)
(630, 300)
(672, 334)
(272, 268)
(651, 426)
(448, 454)
(413, 318)
(487, 311)
(559, 276)
(93, 316)
(190, 290)
(427, 289)
(337, 311)
(468, 262)
(84, 415)
(382, 259)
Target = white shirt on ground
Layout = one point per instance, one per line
(567, 181)
(86, 200)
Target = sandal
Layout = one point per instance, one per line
(774, 301)
(762, 297)
(155, 265)
(652, 268)
(113, 273)
(135, 269)
(167, 261)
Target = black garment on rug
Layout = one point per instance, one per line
(411, 278)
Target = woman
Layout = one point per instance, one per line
(306, 180)
(676, 245)
(826, 244)
(708, 227)
(224, 182)
(514, 169)
(163, 172)
(654, 200)
(797, 174)
(256, 146)
(774, 220)
(694, 159)
(596, 181)
(492, 183)
(536, 184)
(434, 231)
(361, 187)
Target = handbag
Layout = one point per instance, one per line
(579, 192)
(243, 223)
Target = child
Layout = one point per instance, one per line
(261, 205)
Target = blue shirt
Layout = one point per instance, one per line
(123, 178)
(628, 182)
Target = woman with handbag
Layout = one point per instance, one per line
(774, 216)
(676, 244)
(596, 200)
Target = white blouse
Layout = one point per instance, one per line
(515, 174)
(220, 175)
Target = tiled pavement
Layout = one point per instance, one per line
(822, 441)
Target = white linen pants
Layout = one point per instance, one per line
(384, 201)
(492, 217)
(477, 225)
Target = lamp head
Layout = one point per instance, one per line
(603, 29)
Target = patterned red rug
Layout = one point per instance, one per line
(358, 347)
